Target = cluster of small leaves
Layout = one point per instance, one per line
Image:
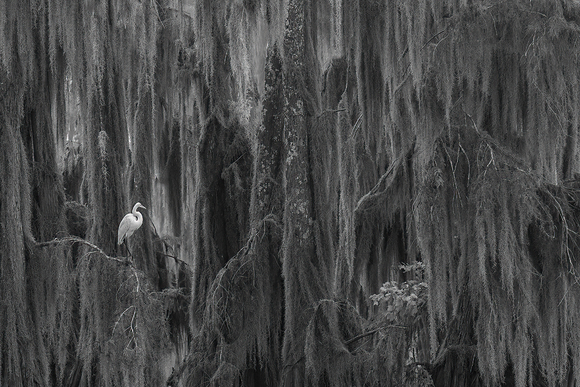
(417, 376)
(406, 301)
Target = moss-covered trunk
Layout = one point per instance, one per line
(265, 223)
(301, 269)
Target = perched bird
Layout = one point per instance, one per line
(130, 223)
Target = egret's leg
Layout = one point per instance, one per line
(127, 246)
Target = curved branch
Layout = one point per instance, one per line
(369, 199)
(73, 239)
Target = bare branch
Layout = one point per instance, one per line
(380, 189)
(73, 239)
(121, 316)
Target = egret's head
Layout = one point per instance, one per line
(138, 205)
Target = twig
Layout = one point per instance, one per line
(133, 336)
(432, 38)
(373, 331)
(472, 121)
(119, 319)
(232, 163)
(356, 126)
(167, 244)
(468, 164)
(453, 172)
(407, 73)
(174, 257)
(373, 192)
(400, 85)
(293, 364)
(331, 111)
(136, 278)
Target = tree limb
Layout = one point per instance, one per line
(383, 184)
(73, 239)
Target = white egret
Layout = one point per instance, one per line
(130, 223)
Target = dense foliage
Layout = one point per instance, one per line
(355, 193)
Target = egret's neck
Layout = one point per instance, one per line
(138, 215)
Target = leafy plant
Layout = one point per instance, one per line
(404, 303)
(403, 313)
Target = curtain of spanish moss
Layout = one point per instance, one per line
(141, 182)
(19, 365)
(39, 134)
(105, 155)
(216, 230)
(210, 250)
(28, 112)
(48, 269)
(338, 98)
(104, 152)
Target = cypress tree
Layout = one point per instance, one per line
(338, 193)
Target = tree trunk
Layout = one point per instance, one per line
(301, 268)
(265, 223)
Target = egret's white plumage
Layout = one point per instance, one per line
(130, 223)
